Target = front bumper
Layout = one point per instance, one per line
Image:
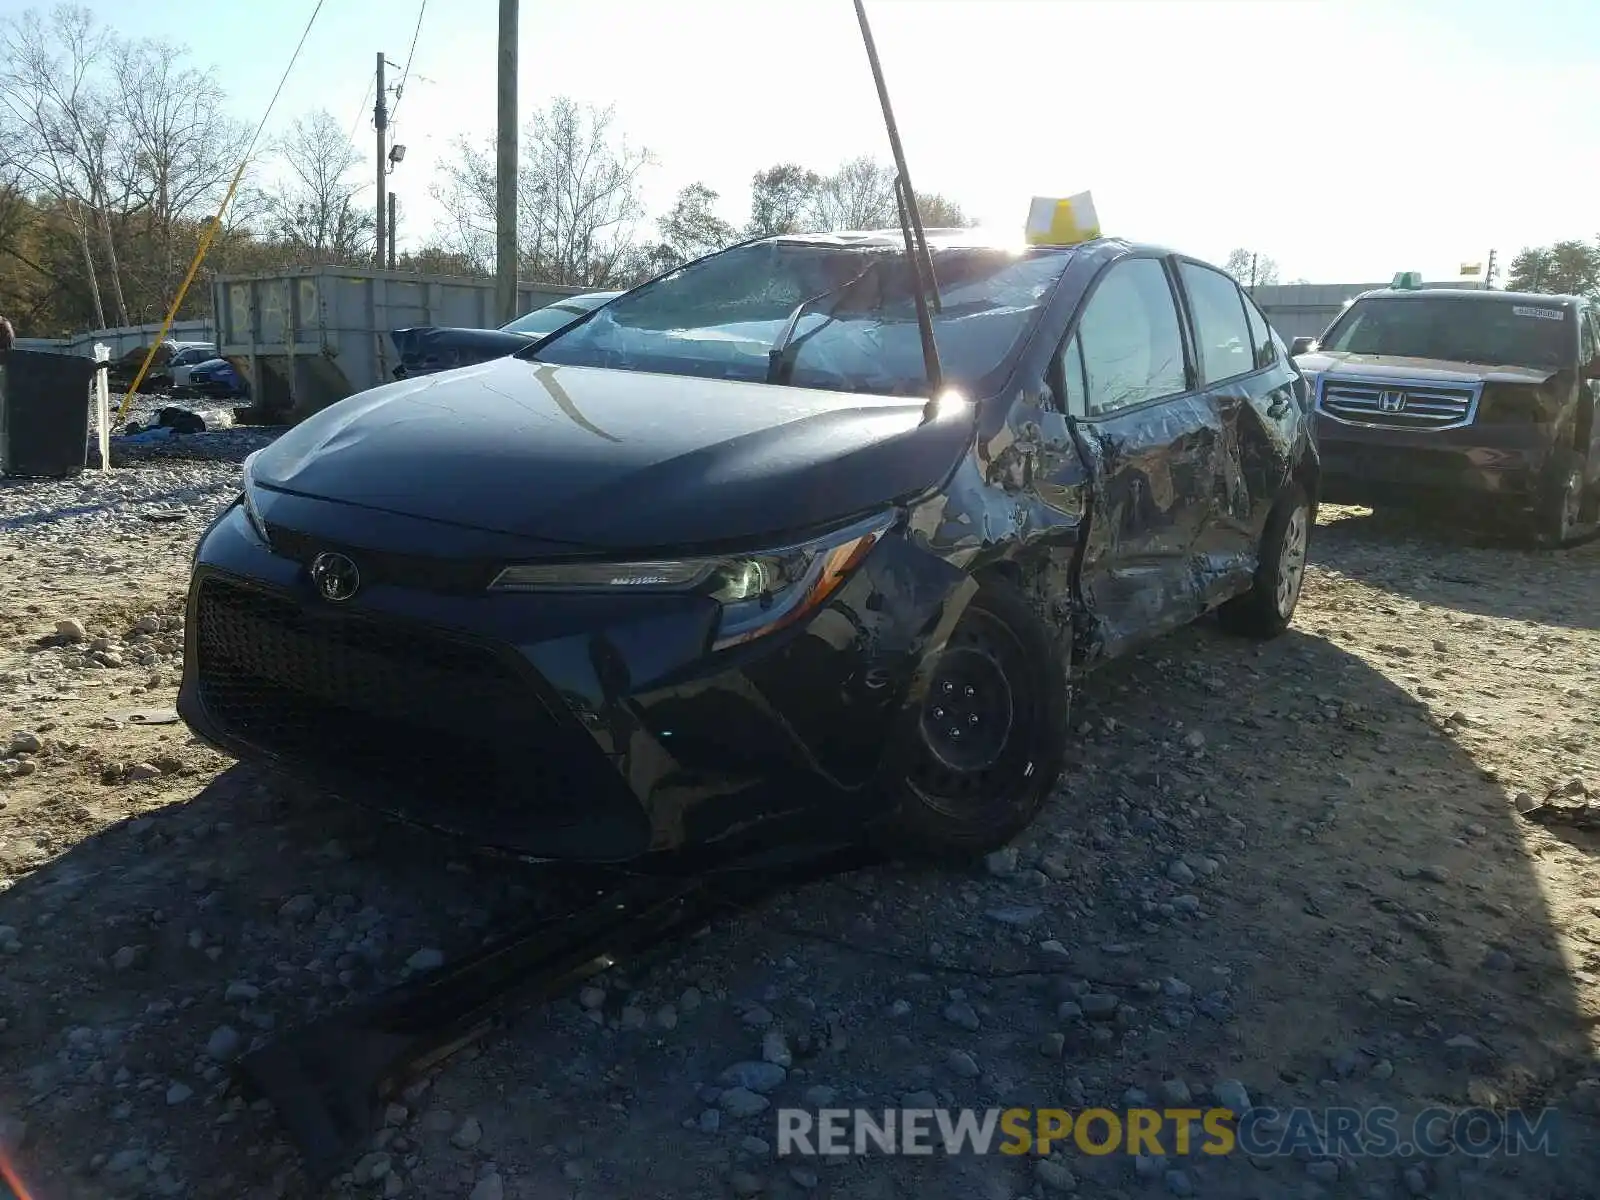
(1503, 464)
(589, 728)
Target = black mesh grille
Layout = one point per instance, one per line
(452, 733)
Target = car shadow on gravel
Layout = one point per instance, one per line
(1269, 864)
(255, 905)
(1435, 560)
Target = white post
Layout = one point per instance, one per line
(102, 402)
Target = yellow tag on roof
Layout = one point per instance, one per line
(1056, 222)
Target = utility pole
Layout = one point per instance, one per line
(505, 184)
(1488, 273)
(1252, 273)
(392, 224)
(380, 119)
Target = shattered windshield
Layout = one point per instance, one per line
(1488, 332)
(720, 317)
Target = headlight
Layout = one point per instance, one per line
(758, 592)
(249, 501)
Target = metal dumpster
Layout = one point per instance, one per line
(306, 338)
(44, 413)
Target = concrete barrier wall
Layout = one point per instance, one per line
(121, 340)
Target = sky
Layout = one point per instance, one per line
(1346, 139)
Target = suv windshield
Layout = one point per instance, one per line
(1509, 332)
(721, 316)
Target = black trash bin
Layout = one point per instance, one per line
(44, 413)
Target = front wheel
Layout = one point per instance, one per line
(1559, 520)
(1267, 608)
(987, 744)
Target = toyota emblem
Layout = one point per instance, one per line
(335, 576)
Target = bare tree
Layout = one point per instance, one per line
(859, 195)
(1251, 269)
(318, 210)
(182, 149)
(49, 88)
(578, 198)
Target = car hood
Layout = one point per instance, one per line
(617, 460)
(1433, 370)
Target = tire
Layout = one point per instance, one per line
(955, 798)
(1268, 607)
(1559, 517)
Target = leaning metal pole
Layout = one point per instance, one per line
(916, 244)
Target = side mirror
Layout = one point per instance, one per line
(1302, 345)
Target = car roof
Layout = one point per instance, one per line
(1100, 251)
(948, 238)
(1478, 294)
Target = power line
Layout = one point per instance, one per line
(405, 71)
(356, 124)
(273, 103)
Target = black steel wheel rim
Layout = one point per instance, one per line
(976, 707)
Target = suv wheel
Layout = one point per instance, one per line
(987, 745)
(1560, 519)
(1267, 608)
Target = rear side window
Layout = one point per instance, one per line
(1587, 347)
(1130, 340)
(1222, 332)
(1266, 352)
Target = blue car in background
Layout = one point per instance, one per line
(427, 349)
(214, 379)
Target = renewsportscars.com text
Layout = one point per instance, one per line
(1261, 1132)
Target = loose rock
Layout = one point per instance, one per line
(224, 1043)
(467, 1135)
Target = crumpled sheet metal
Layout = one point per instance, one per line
(1124, 525)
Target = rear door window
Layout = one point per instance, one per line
(1264, 347)
(1222, 331)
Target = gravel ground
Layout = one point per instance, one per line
(1354, 866)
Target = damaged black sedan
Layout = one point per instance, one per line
(713, 560)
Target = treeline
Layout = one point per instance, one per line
(1570, 268)
(115, 154)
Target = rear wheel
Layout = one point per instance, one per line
(986, 748)
(1267, 608)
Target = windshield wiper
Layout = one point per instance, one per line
(780, 359)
